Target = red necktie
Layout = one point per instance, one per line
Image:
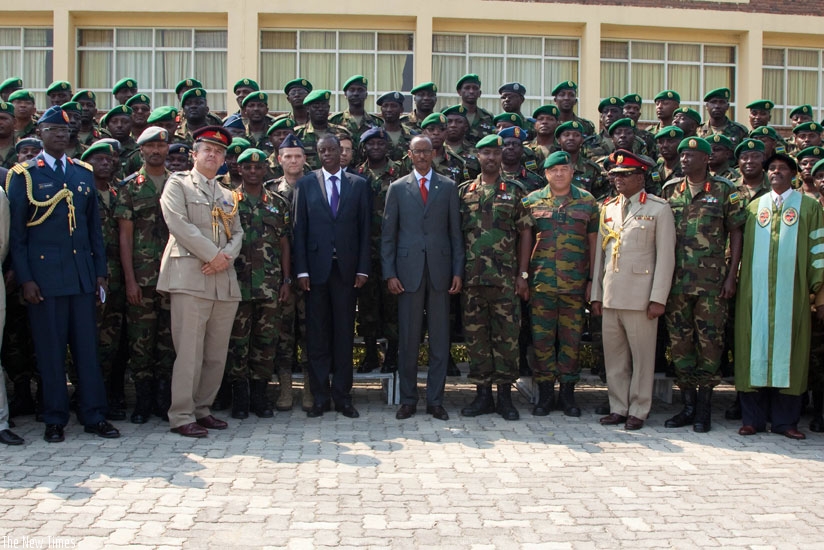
(424, 191)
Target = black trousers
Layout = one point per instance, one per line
(769, 405)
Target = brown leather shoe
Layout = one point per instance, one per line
(746, 430)
(192, 429)
(212, 423)
(405, 411)
(437, 411)
(612, 419)
(633, 423)
(792, 433)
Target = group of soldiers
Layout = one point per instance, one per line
(533, 190)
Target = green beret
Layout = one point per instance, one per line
(251, 155)
(670, 132)
(124, 83)
(7, 108)
(695, 144)
(23, 95)
(546, 110)
(668, 94)
(632, 99)
(763, 104)
(817, 167)
(284, 123)
(425, 87)
(245, 83)
(120, 110)
(749, 144)
(298, 83)
(718, 93)
(189, 94)
(802, 110)
(188, 83)
(85, 95)
(514, 118)
(808, 127)
(492, 140)
(459, 110)
(139, 99)
(565, 85)
(768, 131)
(692, 113)
(317, 95)
(720, 139)
(569, 125)
(98, 147)
(470, 78)
(58, 86)
(14, 82)
(162, 114)
(557, 158)
(71, 106)
(357, 79)
(621, 123)
(816, 152)
(610, 101)
(434, 118)
(237, 146)
(262, 97)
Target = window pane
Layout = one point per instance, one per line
(684, 52)
(9, 38)
(647, 50)
(211, 39)
(134, 38)
(10, 59)
(448, 43)
(559, 47)
(685, 79)
(95, 70)
(446, 70)
(614, 50)
(357, 41)
(277, 40)
(556, 71)
(527, 72)
(355, 63)
(317, 40)
(614, 78)
(278, 103)
(772, 86)
(491, 70)
(167, 38)
(210, 68)
(719, 77)
(276, 69)
(319, 69)
(137, 65)
(719, 54)
(802, 87)
(486, 44)
(647, 79)
(524, 46)
(395, 42)
(167, 98)
(394, 73)
(93, 38)
(773, 57)
(170, 67)
(38, 38)
(802, 58)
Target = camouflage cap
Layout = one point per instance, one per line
(610, 102)
(187, 84)
(621, 123)
(557, 158)
(749, 145)
(246, 83)
(695, 144)
(570, 125)
(670, 132)
(492, 140)
(251, 155)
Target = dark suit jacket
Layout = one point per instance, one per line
(413, 233)
(318, 234)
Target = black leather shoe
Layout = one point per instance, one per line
(437, 411)
(405, 411)
(54, 433)
(348, 411)
(102, 429)
(8, 437)
(315, 411)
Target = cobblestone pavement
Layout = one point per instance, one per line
(375, 482)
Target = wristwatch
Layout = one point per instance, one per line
(524, 275)
(287, 280)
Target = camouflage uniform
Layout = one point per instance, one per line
(354, 128)
(398, 149)
(661, 175)
(695, 315)
(310, 137)
(130, 159)
(261, 142)
(479, 127)
(87, 138)
(587, 126)
(412, 122)
(110, 314)
(470, 156)
(727, 172)
(9, 160)
(76, 152)
(735, 131)
(529, 180)
(29, 131)
(648, 139)
(560, 271)
(492, 216)
(748, 194)
(590, 177)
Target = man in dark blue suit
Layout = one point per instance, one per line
(60, 262)
(331, 254)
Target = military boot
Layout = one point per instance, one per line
(817, 423)
(259, 403)
(546, 399)
(143, 401)
(308, 400)
(483, 402)
(566, 399)
(505, 408)
(116, 397)
(390, 361)
(163, 398)
(703, 410)
(370, 361)
(240, 398)
(687, 414)
(223, 399)
(285, 399)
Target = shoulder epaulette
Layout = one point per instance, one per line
(20, 168)
(721, 179)
(656, 198)
(517, 184)
(82, 164)
(129, 178)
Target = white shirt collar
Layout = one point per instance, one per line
(50, 160)
(784, 196)
(428, 176)
(327, 175)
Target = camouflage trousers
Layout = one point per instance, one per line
(148, 324)
(18, 347)
(377, 308)
(292, 327)
(254, 340)
(696, 326)
(557, 322)
(110, 327)
(816, 373)
(492, 317)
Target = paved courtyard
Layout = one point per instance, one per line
(374, 482)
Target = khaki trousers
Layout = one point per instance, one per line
(200, 332)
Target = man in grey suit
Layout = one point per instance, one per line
(422, 253)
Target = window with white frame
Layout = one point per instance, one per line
(793, 77)
(328, 58)
(538, 63)
(156, 58)
(28, 53)
(647, 68)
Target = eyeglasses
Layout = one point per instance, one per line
(420, 151)
(56, 130)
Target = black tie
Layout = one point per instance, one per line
(58, 169)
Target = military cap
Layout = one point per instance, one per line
(815, 151)
(234, 121)
(623, 161)
(237, 146)
(72, 106)
(357, 79)
(720, 139)
(120, 110)
(718, 93)
(670, 132)
(213, 134)
(425, 87)
(470, 78)
(764, 104)
(634, 99)
(515, 87)
(668, 94)
(434, 118)
(13, 83)
(692, 113)
(139, 99)
(317, 95)
(749, 144)
(58, 86)
(261, 97)
(768, 131)
(111, 141)
(807, 127)
(246, 83)
(251, 155)
(569, 125)
(98, 147)
(492, 140)
(281, 124)
(291, 142)
(513, 131)
(373, 132)
(6, 108)
(86, 95)
(565, 85)
(695, 144)
(459, 110)
(188, 83)
(397, 97)
(800, 110)
(28, 142)
(54, 115)
(606, 102)
(127, 82)
(153, 133)
(189, 94)
(179, 148)
(621, 123)
(298, 83)
(23, 95)
(546, 110)
(817, 167)
(165, 113)
(557, 158)
(782, 156)
(514, 118)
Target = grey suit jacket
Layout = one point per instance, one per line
(414, 234)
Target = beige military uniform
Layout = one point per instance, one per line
(634, 262)
(203, 306)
